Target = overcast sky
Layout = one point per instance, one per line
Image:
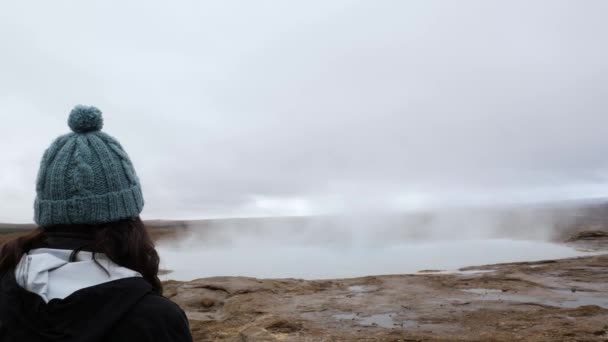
(238, 108)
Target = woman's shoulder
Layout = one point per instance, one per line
(154, 318)
(153, 307)
(154, 304)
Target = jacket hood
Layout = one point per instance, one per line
(70, 302)
(50, 274)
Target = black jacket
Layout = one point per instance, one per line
(117, 311)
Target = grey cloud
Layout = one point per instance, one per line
(228, 106)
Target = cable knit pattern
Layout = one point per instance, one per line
(86, 177)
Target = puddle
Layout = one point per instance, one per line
(384, 320)
(582, 298)
(473, 272)
(359, 288)
(561, 298)
(265, 257)
(381, 320)
(459, 272)
(483, 292)
(500, 296)
(345, 317)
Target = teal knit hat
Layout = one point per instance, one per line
(86, 177)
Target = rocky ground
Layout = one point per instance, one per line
(554, 300)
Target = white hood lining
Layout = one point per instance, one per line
(48, 272)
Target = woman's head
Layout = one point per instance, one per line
(87, 184)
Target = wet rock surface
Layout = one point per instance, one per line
(554, 300)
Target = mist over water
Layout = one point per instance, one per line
(256, 258)
(359, 245)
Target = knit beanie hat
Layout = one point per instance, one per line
(86, 177)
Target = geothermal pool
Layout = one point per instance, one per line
(268, 257)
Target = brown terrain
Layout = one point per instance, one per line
(552, 300)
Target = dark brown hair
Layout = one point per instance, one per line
(127, 243)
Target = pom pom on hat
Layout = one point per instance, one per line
(84, 119)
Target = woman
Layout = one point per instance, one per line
(90, 271)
